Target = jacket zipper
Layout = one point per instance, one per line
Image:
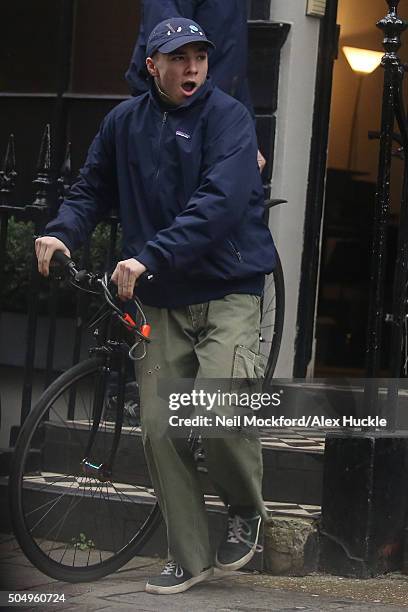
(163, 123)
(235, 250)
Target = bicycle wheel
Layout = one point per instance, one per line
(74, 526)
(272, 317)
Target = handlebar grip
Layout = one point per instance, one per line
(65, 262)
(60, 258)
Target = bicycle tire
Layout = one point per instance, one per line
(19, 487)
(272, 317)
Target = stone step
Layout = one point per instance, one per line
(142, 500)
(293, 462)
(6, 455)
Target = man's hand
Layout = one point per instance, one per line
(45, 248)
(261, 161)
(125, 276)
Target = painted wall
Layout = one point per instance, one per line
(292, 150)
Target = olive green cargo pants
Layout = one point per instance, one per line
(198, 342)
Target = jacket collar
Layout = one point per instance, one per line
(202, 93)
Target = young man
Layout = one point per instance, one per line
(225, 23)
(180, 161)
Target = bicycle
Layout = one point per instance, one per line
(79, 512)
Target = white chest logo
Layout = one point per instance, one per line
(183, 134)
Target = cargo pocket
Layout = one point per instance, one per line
(248, 369)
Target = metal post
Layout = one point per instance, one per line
(64, 53)
(8, 177)
(8, 174)
(399, 311)
(39, 210)
(365, 500)
(63, 185)
(392, 27)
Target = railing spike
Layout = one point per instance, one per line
(43, 182)
(44, 158)
(8, 173)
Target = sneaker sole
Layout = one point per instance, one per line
(236, 565)
(179, 588)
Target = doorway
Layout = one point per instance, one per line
(341, 324)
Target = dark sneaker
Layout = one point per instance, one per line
(175, 579)
(240, 543)
(131, 408)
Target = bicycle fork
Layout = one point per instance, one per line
(90, 468)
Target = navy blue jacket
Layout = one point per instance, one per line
(189, 193)
(225, 24)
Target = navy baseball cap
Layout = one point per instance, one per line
(172, 33)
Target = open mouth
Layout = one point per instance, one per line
(189, 87)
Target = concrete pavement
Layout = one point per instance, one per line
(232, 592)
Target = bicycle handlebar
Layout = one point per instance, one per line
(98, 283)
(66, 262)
(80, 275)
(60, 258)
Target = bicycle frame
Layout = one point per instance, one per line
(109, 351)
(112, 354)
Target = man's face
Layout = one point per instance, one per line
(180, 73)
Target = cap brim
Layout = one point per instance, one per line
(180, 41)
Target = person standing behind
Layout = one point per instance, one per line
(224, 22)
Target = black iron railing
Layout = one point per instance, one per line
(392, 111)
(48, 194)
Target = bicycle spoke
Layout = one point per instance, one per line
(96, 524)
(49, 510)
(42, 505)
(84, 483)
(268, 326)
(269, 307)
(265, 312)
(121, 493)
(61, 478)
(67, 511)
(78, 519)
(110, 516)
(61, 522)
(69, 429)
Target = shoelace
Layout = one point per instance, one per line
(239, 530)
(173, 567)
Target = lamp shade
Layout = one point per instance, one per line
(362, 60)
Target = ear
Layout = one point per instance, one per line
(151, 67)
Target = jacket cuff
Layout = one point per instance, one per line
(148, 260)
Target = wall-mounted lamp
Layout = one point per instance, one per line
(362, 61)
